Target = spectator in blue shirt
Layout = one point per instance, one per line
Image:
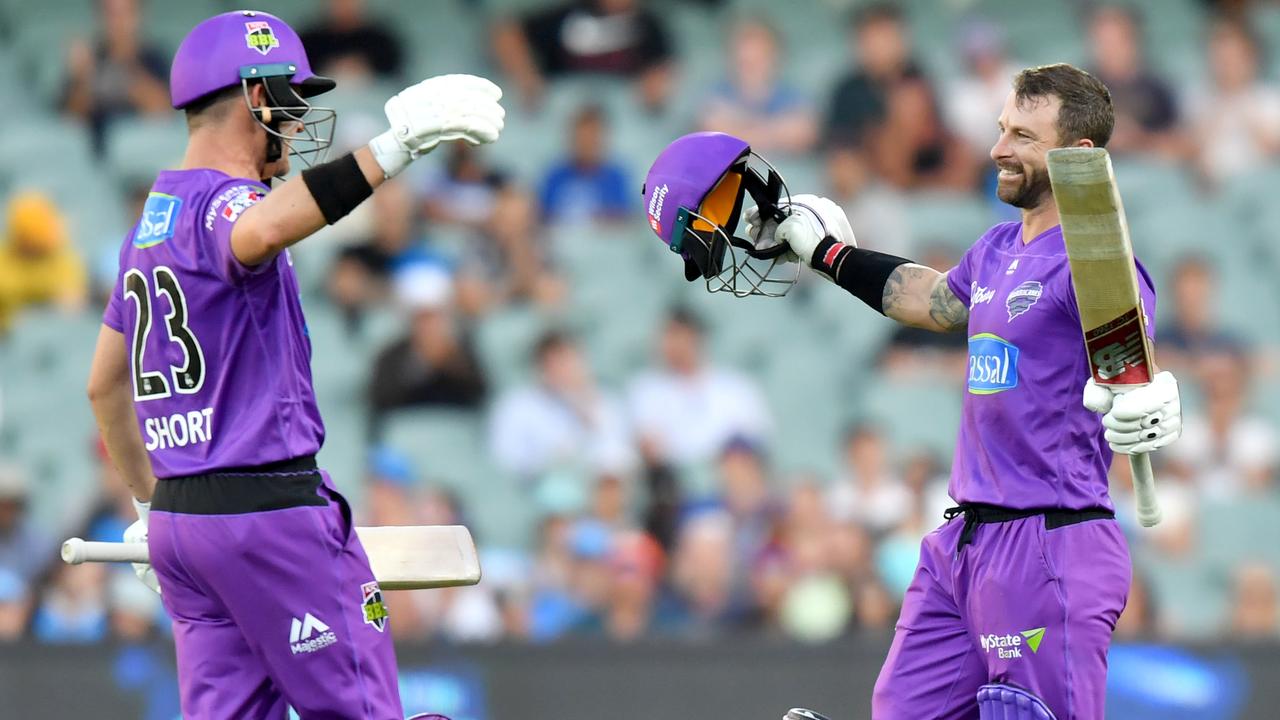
(586, 186)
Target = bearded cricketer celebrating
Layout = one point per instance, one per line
(1015, 598)
(201, 379)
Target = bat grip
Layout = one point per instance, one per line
(76, 551)
(1144, 490)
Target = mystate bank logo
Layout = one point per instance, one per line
(1008, 647)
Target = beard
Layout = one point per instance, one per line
(1028, 193)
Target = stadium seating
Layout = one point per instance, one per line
(814, 352)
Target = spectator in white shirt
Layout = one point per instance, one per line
(564, 421)
(686, 410)
(1236, 120)
(1227, 450)
(973, 99)
(869, 491)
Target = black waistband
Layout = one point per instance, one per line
(976, 514)
(232, 491)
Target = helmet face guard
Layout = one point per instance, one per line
(290, 121)
(236, 48)
(706, 178)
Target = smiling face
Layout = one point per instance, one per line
(1050, 106)
(1028, 129)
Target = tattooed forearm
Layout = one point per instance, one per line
(903, 291)
(947, 310)
(918, 296)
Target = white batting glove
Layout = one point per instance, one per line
(810, 219)
(1140, 420)
(137, 533)
(436, 110)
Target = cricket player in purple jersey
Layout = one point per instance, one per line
(1013, 604)
(201, 380)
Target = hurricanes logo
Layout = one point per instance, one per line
(375, 610)
(259, 36)
(1021, 298)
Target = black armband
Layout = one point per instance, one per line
(338, 186)
(863, 273)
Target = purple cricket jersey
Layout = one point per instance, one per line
(1026, 441)
(219, 353)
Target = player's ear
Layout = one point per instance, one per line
(1084, 142)
(258, 102)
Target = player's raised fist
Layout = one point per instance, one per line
(810, 220)
(438, 109)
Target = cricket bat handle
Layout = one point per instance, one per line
(1144, 490)
(76, 551)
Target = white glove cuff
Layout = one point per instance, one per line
(143, 508)
(391, 156)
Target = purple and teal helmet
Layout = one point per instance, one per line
(694, 196)
(237, 48)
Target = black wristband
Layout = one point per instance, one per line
(338, 186)
(863, 273)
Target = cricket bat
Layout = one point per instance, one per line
(411, 557)
(1106, 287)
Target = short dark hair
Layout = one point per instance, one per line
(681, 316)
(1086, 110)
(549, 342)
(210, 107)
(876, 12)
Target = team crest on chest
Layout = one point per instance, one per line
(1021, 298)
(375, 610)
(259, 36)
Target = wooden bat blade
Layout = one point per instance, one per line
(411, 557)
(1102, 268)
(1105, 280)
(415, 557)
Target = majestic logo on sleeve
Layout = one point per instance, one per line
(159, 220)
(1021, 298)
(259, 36)
(375, 611)
(993, 364)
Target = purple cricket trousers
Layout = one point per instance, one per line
(272, 600)
(1021, 605)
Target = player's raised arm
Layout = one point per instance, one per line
(819, 234)
(439, 109)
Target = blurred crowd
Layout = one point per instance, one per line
(632, 547)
